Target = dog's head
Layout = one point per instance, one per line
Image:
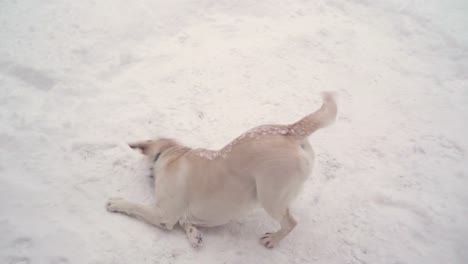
(153, 148)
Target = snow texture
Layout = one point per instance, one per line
(80, 79)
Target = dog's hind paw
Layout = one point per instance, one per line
(268, 240)
(113, 204)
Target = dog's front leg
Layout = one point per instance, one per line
(151, 215)
(194, 236)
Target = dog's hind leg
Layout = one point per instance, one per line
(275, 192)
(287, 222)
(194, 236)
(151, 215)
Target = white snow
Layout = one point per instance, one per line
(80, 79)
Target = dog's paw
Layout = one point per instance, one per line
(195, 237)
(268, 240)
(113, 204)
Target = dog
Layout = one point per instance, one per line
(265, 166)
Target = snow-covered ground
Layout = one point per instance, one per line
(80, 79)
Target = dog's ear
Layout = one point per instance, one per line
(151, 148)
(142, 145)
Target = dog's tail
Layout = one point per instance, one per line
(318, 119)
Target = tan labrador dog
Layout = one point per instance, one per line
(194, 188)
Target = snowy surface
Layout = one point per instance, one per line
(79, 79)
